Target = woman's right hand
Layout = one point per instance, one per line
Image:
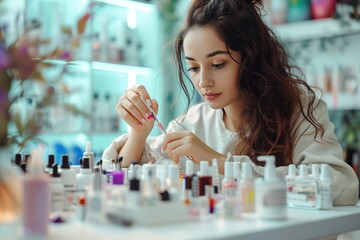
(133, 110)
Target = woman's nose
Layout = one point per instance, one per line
(205, 79)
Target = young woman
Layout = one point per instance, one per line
(253, 104)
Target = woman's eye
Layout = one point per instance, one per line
(218, 66)
(192, 69)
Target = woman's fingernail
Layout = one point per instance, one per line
(148, 116)
(143, 120)
(148, 102)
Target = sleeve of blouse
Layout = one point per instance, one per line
(345, 185)
(152, 150)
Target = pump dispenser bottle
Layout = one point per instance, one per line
(36, 207)
(270, 192)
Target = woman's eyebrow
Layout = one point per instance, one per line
(209, 55)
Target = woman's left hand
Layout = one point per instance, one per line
(188, 144)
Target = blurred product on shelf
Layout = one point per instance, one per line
(322, 8)
(298, 10)
(278, 11)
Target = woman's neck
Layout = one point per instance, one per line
(231, 118)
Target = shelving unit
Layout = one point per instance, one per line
(120, 47)
(324, 49)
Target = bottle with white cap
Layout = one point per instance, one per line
(270, 192)
(204, 177)
(326, 194)
(315, 171)
(290, 178)
(237, 171)
(247, 188)
(229, 189)
(96, 200)
(89, 154)
(172, 182)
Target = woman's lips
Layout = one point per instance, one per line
(211, 96)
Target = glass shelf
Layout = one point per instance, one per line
(120, 68)
(134, 5)
(316, 29)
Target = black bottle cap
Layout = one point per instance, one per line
(86, 163)
(165, 196)
(216, 189)
(55, 172)
(18, 159)
(65, 161)
(51, 161)
(134, 184)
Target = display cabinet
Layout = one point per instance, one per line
(120, 47)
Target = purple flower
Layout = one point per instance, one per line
(4, 58)
(66, 56)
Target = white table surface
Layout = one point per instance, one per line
(301, 224)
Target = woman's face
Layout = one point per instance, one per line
(211, 69)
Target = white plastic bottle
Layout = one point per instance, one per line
(215, 175)
(326, 194)
(315, 171)
(290, 178)
(270, 192)
(96, 200)
(89, 154)
(84, 178)
(68, 178)
(247, 188)
(237, 171)
(36, 207)
(229, 188)
(172, 182)
(57, 191)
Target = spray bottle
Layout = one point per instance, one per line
(270, 192)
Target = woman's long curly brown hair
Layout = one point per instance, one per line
(267, 82)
